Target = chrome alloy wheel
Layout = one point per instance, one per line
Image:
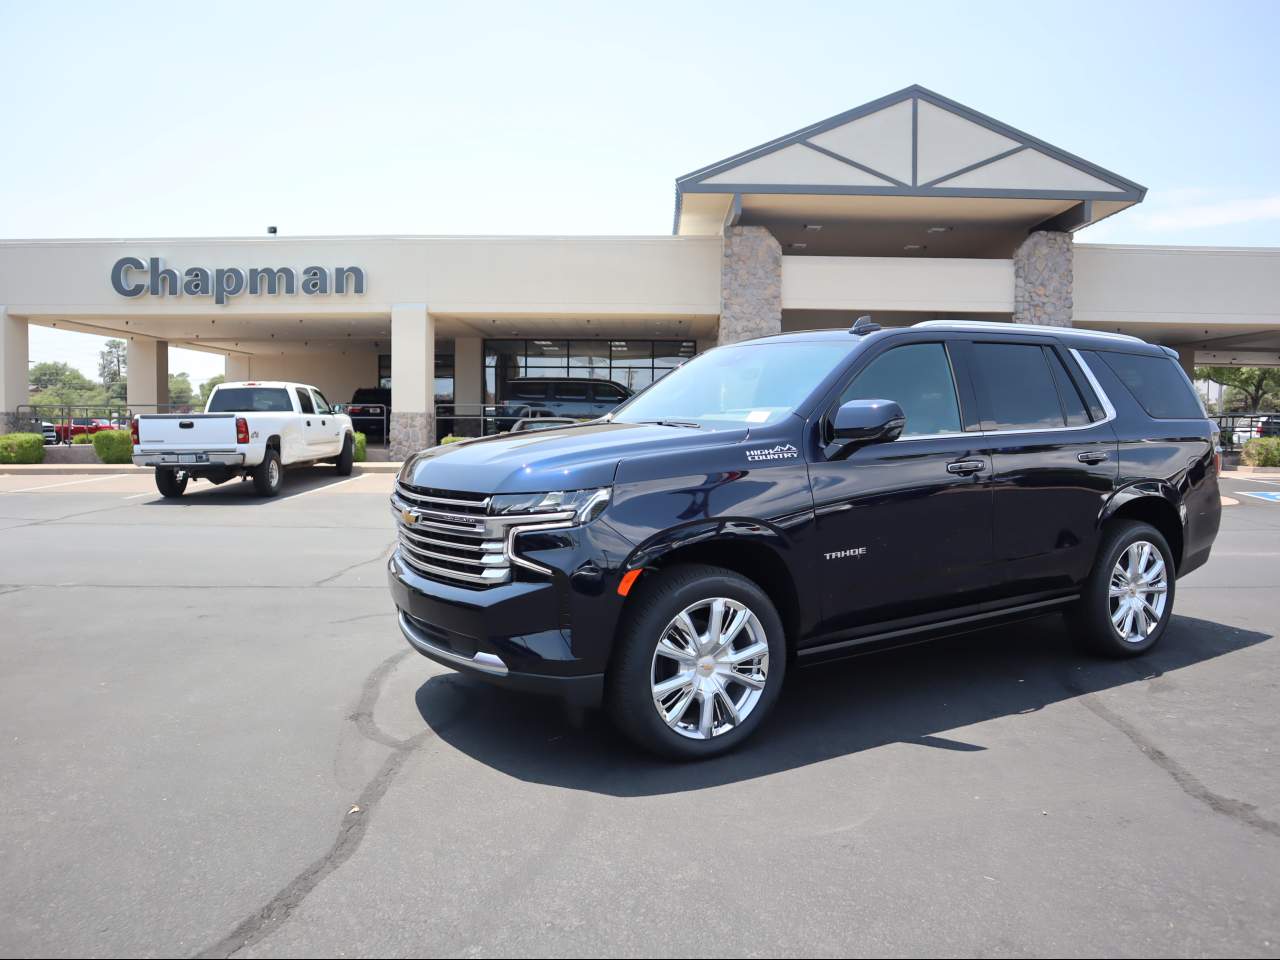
(709, 668)
(1139, 591)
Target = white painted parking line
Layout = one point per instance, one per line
(149, 493)
(65, 483)
(321, 489)
(1271, 496)
(1254, 480)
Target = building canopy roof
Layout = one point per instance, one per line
(910, 144)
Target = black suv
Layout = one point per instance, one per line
(579, 398)
(806, 496)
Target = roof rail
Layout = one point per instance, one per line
(1021, 328)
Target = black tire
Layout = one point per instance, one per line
(629, 695)
(169, 483)
(268, 476)
(1091, 618)
(347, 458)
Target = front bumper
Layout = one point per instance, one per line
(517, 635)
(202, 458)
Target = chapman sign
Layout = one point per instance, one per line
(130, 277)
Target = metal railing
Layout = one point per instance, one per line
(1236, 429)
(63, 422)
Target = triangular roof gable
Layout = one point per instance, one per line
(912, 143)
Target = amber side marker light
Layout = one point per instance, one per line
(628, 581)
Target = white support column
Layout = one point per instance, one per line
(413, 365)
(468, 385)
(236, 367)
(14, 388)
(148, 371)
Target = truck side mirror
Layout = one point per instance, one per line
(859, 423)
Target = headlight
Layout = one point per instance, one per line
(585, 505)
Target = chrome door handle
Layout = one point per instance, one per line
(1092, 457)
(964, 467)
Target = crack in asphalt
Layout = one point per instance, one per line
(382, 555)
(1238, 810)
(268, 918)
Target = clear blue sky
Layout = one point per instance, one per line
(148, 119)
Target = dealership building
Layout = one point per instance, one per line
(909, 208)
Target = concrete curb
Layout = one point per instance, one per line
(128, 469)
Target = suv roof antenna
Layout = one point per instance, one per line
(864, 325)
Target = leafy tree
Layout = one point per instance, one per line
(1251, 388)
(180, 390)
(206, 388)
(56, 374)
(112, 361)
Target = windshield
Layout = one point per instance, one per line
(250, 400)
(751, 384)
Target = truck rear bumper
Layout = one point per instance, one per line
(177, 458)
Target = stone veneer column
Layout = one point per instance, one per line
(14, 390)
(1043, 279)
(413, 366)
(750, 284)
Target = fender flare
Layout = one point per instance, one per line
(1141, 490)
(717, 530)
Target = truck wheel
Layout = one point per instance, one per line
(347, 457)
(1128, 599)
(269, 474)
(699, 662)
(170, 482)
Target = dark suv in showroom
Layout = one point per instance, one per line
(807, 496)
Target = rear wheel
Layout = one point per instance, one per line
(269, 474)
(170, 482)
(347, 457)
(699, 663)
(1128, 600)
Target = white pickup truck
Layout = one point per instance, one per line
(252, 429)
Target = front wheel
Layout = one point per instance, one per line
(170, 482)
(269, 474)
(699, 663)
(1128, 599)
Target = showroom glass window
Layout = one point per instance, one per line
(631, 364)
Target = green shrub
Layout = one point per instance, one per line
(82, 438)
(1262, 452)
(450, 439)
(21, 448)
(113, 446)
(362, 448)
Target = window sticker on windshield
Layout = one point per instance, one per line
(758, 416)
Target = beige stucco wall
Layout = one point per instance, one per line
(599, 276)
(897, 283)
(338, 375)
(1116, 284)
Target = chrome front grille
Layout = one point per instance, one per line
(449, 535)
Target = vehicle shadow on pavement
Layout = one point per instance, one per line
(240, 492)
(908, 695)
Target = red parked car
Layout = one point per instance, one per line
(66, 430)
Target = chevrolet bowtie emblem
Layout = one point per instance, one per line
(409, 517)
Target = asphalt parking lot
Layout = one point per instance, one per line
(215, 743)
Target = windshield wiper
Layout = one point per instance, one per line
(674, 423)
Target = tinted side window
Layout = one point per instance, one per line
(608, 393)
(304, 398)
(528, 391)
(1018, 385)
(1157, 384)
(571, 391)
(1072, 402)
(918, 377)
(322, 405)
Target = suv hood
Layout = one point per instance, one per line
(573, 458)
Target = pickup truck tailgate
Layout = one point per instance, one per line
(187, 431)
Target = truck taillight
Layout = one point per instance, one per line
(133, 430)
(242, 430)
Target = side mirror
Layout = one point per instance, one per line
(859, 423)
